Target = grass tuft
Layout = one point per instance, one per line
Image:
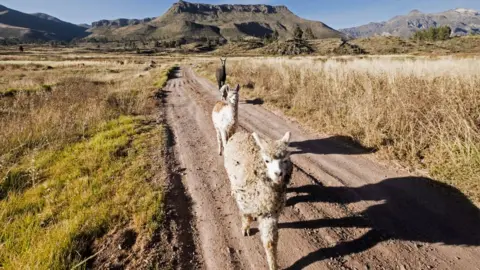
(165, 76)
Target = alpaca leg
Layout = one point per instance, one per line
(219, 141)
(269, 233)
(223, 92)
(223, 133)
(246, 222)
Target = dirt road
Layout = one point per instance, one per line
(344, 210)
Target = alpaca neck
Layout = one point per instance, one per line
(234, 109)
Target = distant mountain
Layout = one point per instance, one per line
(196, 21)
(47, 17)
(37, 26)
(462, 22)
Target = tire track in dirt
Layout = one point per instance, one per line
(344, 210)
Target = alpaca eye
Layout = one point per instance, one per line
(267, 161)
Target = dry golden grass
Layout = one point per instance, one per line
(395, 45)
(79, 155)
(51, 105)
(423, 112)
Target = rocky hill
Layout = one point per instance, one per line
(119, 22)
(186, 20)
(462, 22)
(38, 26)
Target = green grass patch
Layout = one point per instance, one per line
(164, 76)
(56, 202)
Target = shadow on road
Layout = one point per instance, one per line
(175, 73)
(257, 101)
(414, 209)
(332, 145)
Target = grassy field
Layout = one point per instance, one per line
(81, 155)
(421, 111)
(82, 147)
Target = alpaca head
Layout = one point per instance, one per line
(276, 157)
(231, 95)
(224, 61)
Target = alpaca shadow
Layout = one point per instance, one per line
(332, 145)
(413, 209)
(175, 73)
(257, 101)
(162, 95)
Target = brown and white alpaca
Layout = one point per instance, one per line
(259, 171)
(225, 116)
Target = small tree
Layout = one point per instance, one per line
(272, 37)
(20, 48)
(298, 33)
(209, 43)
(309, 34)
(182, 41)
(433, 34)
(74, 41)
(444, 32)
(275, 35)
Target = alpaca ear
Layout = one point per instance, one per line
(259, 141)
(286, 138)
(225, 88)
(237, 89)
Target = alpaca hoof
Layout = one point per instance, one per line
(273, 267)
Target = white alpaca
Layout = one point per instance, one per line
(225, 116)
(259, 172)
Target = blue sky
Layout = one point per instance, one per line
(336, 13)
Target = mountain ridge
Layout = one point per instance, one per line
(185, 20)
(462, 21)
(37, 26)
